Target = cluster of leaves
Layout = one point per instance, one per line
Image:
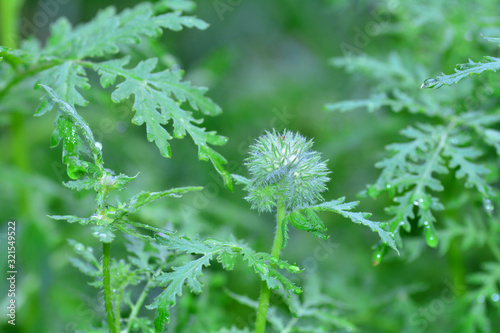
(451, 140)
(456, 132)
(153, 263)
(159, 96)
(315, 312)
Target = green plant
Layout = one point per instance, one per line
(478, 122)
(453, 132)
(287, 177)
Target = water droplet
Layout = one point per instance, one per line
(495, 297)
(114, 290)
(423, 201)
(79, 247)
(426, 223)
(429, 83)
(98, 145)
(388, 186)
(430, 236)
(488, 206)
(379, 253)
(480, 299)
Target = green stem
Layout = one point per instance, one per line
(9, 22)
(108, 294)
(265, 292)
(137, 306)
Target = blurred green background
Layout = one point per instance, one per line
(266, 63)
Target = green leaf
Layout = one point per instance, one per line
(344, 208)
(158, 98)
(225, 253)
(74, 130)
(463, 71)
(89, 265)
(71, 219)
(108, 31)
(461, 157)
(307, 220)
(174, 281)
(144, 198)
(65, 79)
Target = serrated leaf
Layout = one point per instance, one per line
(174, 281)
(463, 71)
(108, 31)
(158, 98)
(65, 79)
(461, 157)
(344, 208)
(144, 198)
(74, 130)
(71, 219)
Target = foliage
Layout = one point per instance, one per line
(448, 137)
(195, 261)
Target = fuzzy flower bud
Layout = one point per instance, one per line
(284, 165)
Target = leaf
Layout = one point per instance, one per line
(65, 79)
(144, 198)
(71, 219)
(108, 31)
(375, 102)
(461, 157)
(174, 281)
(225, 252)
(158, 97)
(74, 130)
(463, 71)
(344, 208)
(310, 222)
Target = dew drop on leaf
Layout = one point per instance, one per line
(495, 297)
(379, 253)
(429, 83)
(430, 236)
(98, 145)
(480, 299)
(423, 201)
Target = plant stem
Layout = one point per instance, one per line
(137, 306)
(9, 22)
(106, 271)
(265, 292)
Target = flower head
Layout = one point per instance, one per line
(284, 165)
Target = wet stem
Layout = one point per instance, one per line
(108, 294)
(265, 292)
